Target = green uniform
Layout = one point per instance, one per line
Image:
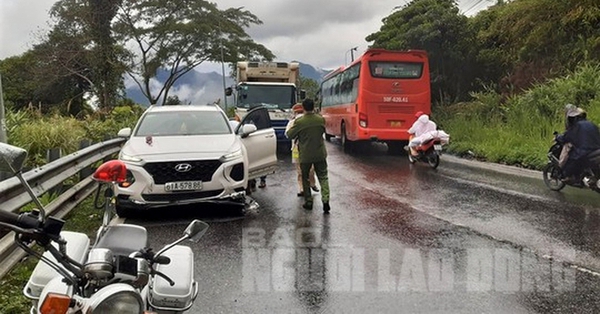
(309, 130)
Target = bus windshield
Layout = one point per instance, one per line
(269, 96)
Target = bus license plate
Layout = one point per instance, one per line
(183, 186)
(395, 124)
(437, 147)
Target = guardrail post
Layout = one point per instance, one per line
(87, 171)
(52, 155)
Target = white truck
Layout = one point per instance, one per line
(269, 84)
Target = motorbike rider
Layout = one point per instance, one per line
(419, 127)
(584, 137)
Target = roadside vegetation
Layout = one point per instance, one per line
(518, 130)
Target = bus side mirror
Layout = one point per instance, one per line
(228, 91)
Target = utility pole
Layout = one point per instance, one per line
(223, 73)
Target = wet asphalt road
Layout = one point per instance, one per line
(468, 237)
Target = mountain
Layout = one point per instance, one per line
(206, 87)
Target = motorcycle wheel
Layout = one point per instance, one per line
(411, 159)
(434, 160)
(552, 180)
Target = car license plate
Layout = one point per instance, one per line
(437, 146)
(183, 186)
(280, 115)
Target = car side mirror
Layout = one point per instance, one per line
(126, 132)
(228, 91)
(12, 158)
(247, 129)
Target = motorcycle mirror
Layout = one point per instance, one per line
(195, 230)
(12, 158)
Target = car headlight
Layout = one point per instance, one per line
(115, 298)
(130, 158)
(231, 156)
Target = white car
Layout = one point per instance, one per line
(192, 154)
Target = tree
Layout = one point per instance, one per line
(309, 85)
(527, 41)
(437, 27)
(28, 80)
(178, 35)
(81, 41)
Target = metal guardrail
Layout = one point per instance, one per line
(13, 195)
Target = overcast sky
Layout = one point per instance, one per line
(317, 32)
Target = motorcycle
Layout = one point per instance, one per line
(119, 273)
(428, 152)
(552, 173)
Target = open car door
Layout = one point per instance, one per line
(261, 145)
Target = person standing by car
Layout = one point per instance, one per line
(309, 131)
(298, 112)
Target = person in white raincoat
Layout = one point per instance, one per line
(420, 128)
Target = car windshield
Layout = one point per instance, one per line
(183, 123)
(269, 96)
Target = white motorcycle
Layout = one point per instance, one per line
(119, 273)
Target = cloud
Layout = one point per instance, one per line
(21, 23)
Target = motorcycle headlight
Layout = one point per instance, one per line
(130, 158)
(116, 298)
(231, 156)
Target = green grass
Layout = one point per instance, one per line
(84, 218)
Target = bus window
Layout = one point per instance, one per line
(403, 70)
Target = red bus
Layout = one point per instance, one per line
(376, 97)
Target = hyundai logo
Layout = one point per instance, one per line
(183, 167)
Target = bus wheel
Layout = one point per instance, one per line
(346, 144)
(327, 137)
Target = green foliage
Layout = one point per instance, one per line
(47, 133)
(310, 86)
(12, 300)
(437, 27)
(81, 45)
(518, 130)
(37, 133)
(526, 41)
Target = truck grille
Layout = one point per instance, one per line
(201, 170)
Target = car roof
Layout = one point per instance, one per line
(183, 108)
